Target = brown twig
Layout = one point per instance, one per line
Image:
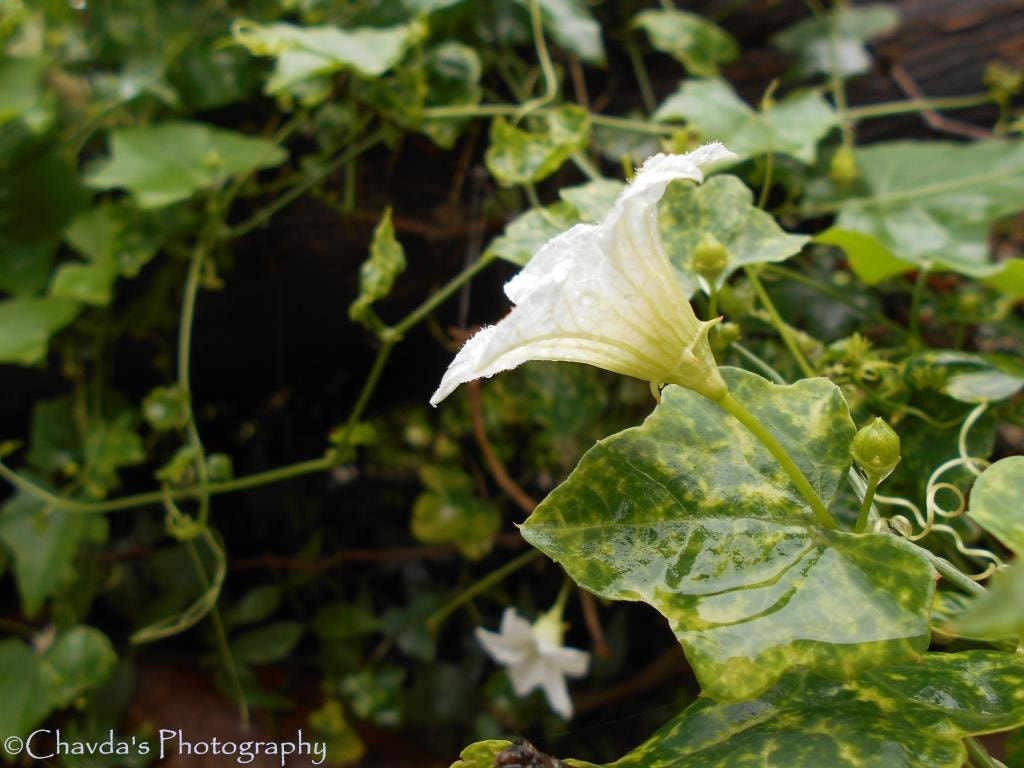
(593, 621)
(933, 119)
(666, 666)
(511, 488)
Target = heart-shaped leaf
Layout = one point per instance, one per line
(724, 207)
(835, 40)
(711, 107)
(691, 514)
(996, 502)
(911, 715)
(515, 156)
(931, 205)
(697, 43)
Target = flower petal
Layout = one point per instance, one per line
(557, 693)
(603, 294)
(528, 675)
(502, 649)
(572, 662)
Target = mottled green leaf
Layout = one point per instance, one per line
(79, 660)
(723, 206)
(791, 126)
(375, 694)
(452, 72)
(910, 715)
(307, 52)
(524, 236)
(43, 542)
(517, 156)
(692, 515)
(110, 445)
(869, 259)
(483, 754)
(256, 605)
(377, 274)
(25, 701)
(997, 502)
(996, 615)
(22, 95)
(342, 742)
(267, 644)
(26, 326)
(164, 163)
(165, 408)
(834, 41)
(340, 621)
(115, 232)
(38, 196)
(932, 204)
(593, 199)
(969, 377)
(449, 512)
(89, 283)
(697, 43)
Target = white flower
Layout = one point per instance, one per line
(535, 656)
(604, 294)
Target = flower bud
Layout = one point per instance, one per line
(710, 257)
(876, 449)
(843, 169)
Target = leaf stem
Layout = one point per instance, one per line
(778, 323)
(915, 305)
(481, 585)
(865, 505)
(887, 108)
(439, 296)
(733, 406)
(979, 755)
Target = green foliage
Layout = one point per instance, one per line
(723, 207)
(378, 272)
(744, 577)
(793, 126)
(515, 156)
(697, 43)
(931, 206)
(162, 164)
(834, 41)
(449, 512)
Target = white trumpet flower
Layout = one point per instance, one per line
(535, 656)
(605, 294)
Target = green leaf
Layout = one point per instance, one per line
(55, 445)
(453, 80)
(267, 644)
(38, 196)
(25, 701)
(115, 232)
(483, 754)
(996, 502)
(911, 715)
(697, 43)
(377, 274)
(340, 621)
(793, 126)
(593, 199)
(256, 605)
(871, 261)
(26, 326)
(165, 409)
(932, 204)
(110, 445)
(572, 25)
(43, 542)
(516, 156)
(996, 615)
(303, 53)
(87, 283)
(22, 95)
(80, 659)
(164, 163)
(213, 78)
(692, 515)
(834, 41)
(524, 236)
(375, 694)
(342, 742)
(723, 206)
(449, 512)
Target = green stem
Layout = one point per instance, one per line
(979, 755)
(865, 505)
(223, 646)
(887, 108)
(778, 323)
(264, 215)
(732, 406)
(915, 305)
(712, 300)
(642, 78)
(833, 293)
(478, 587)
(438, 297)
(546, 65)
(953, 574)
(369, 386)
(588, 169)
(766, 187)
(770, 372)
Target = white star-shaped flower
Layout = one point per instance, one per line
(535, 656)
(605, 294)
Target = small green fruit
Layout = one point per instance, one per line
(710, 257)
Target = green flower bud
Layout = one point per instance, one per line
(876, 449)
(710, 257)
(843, 169)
